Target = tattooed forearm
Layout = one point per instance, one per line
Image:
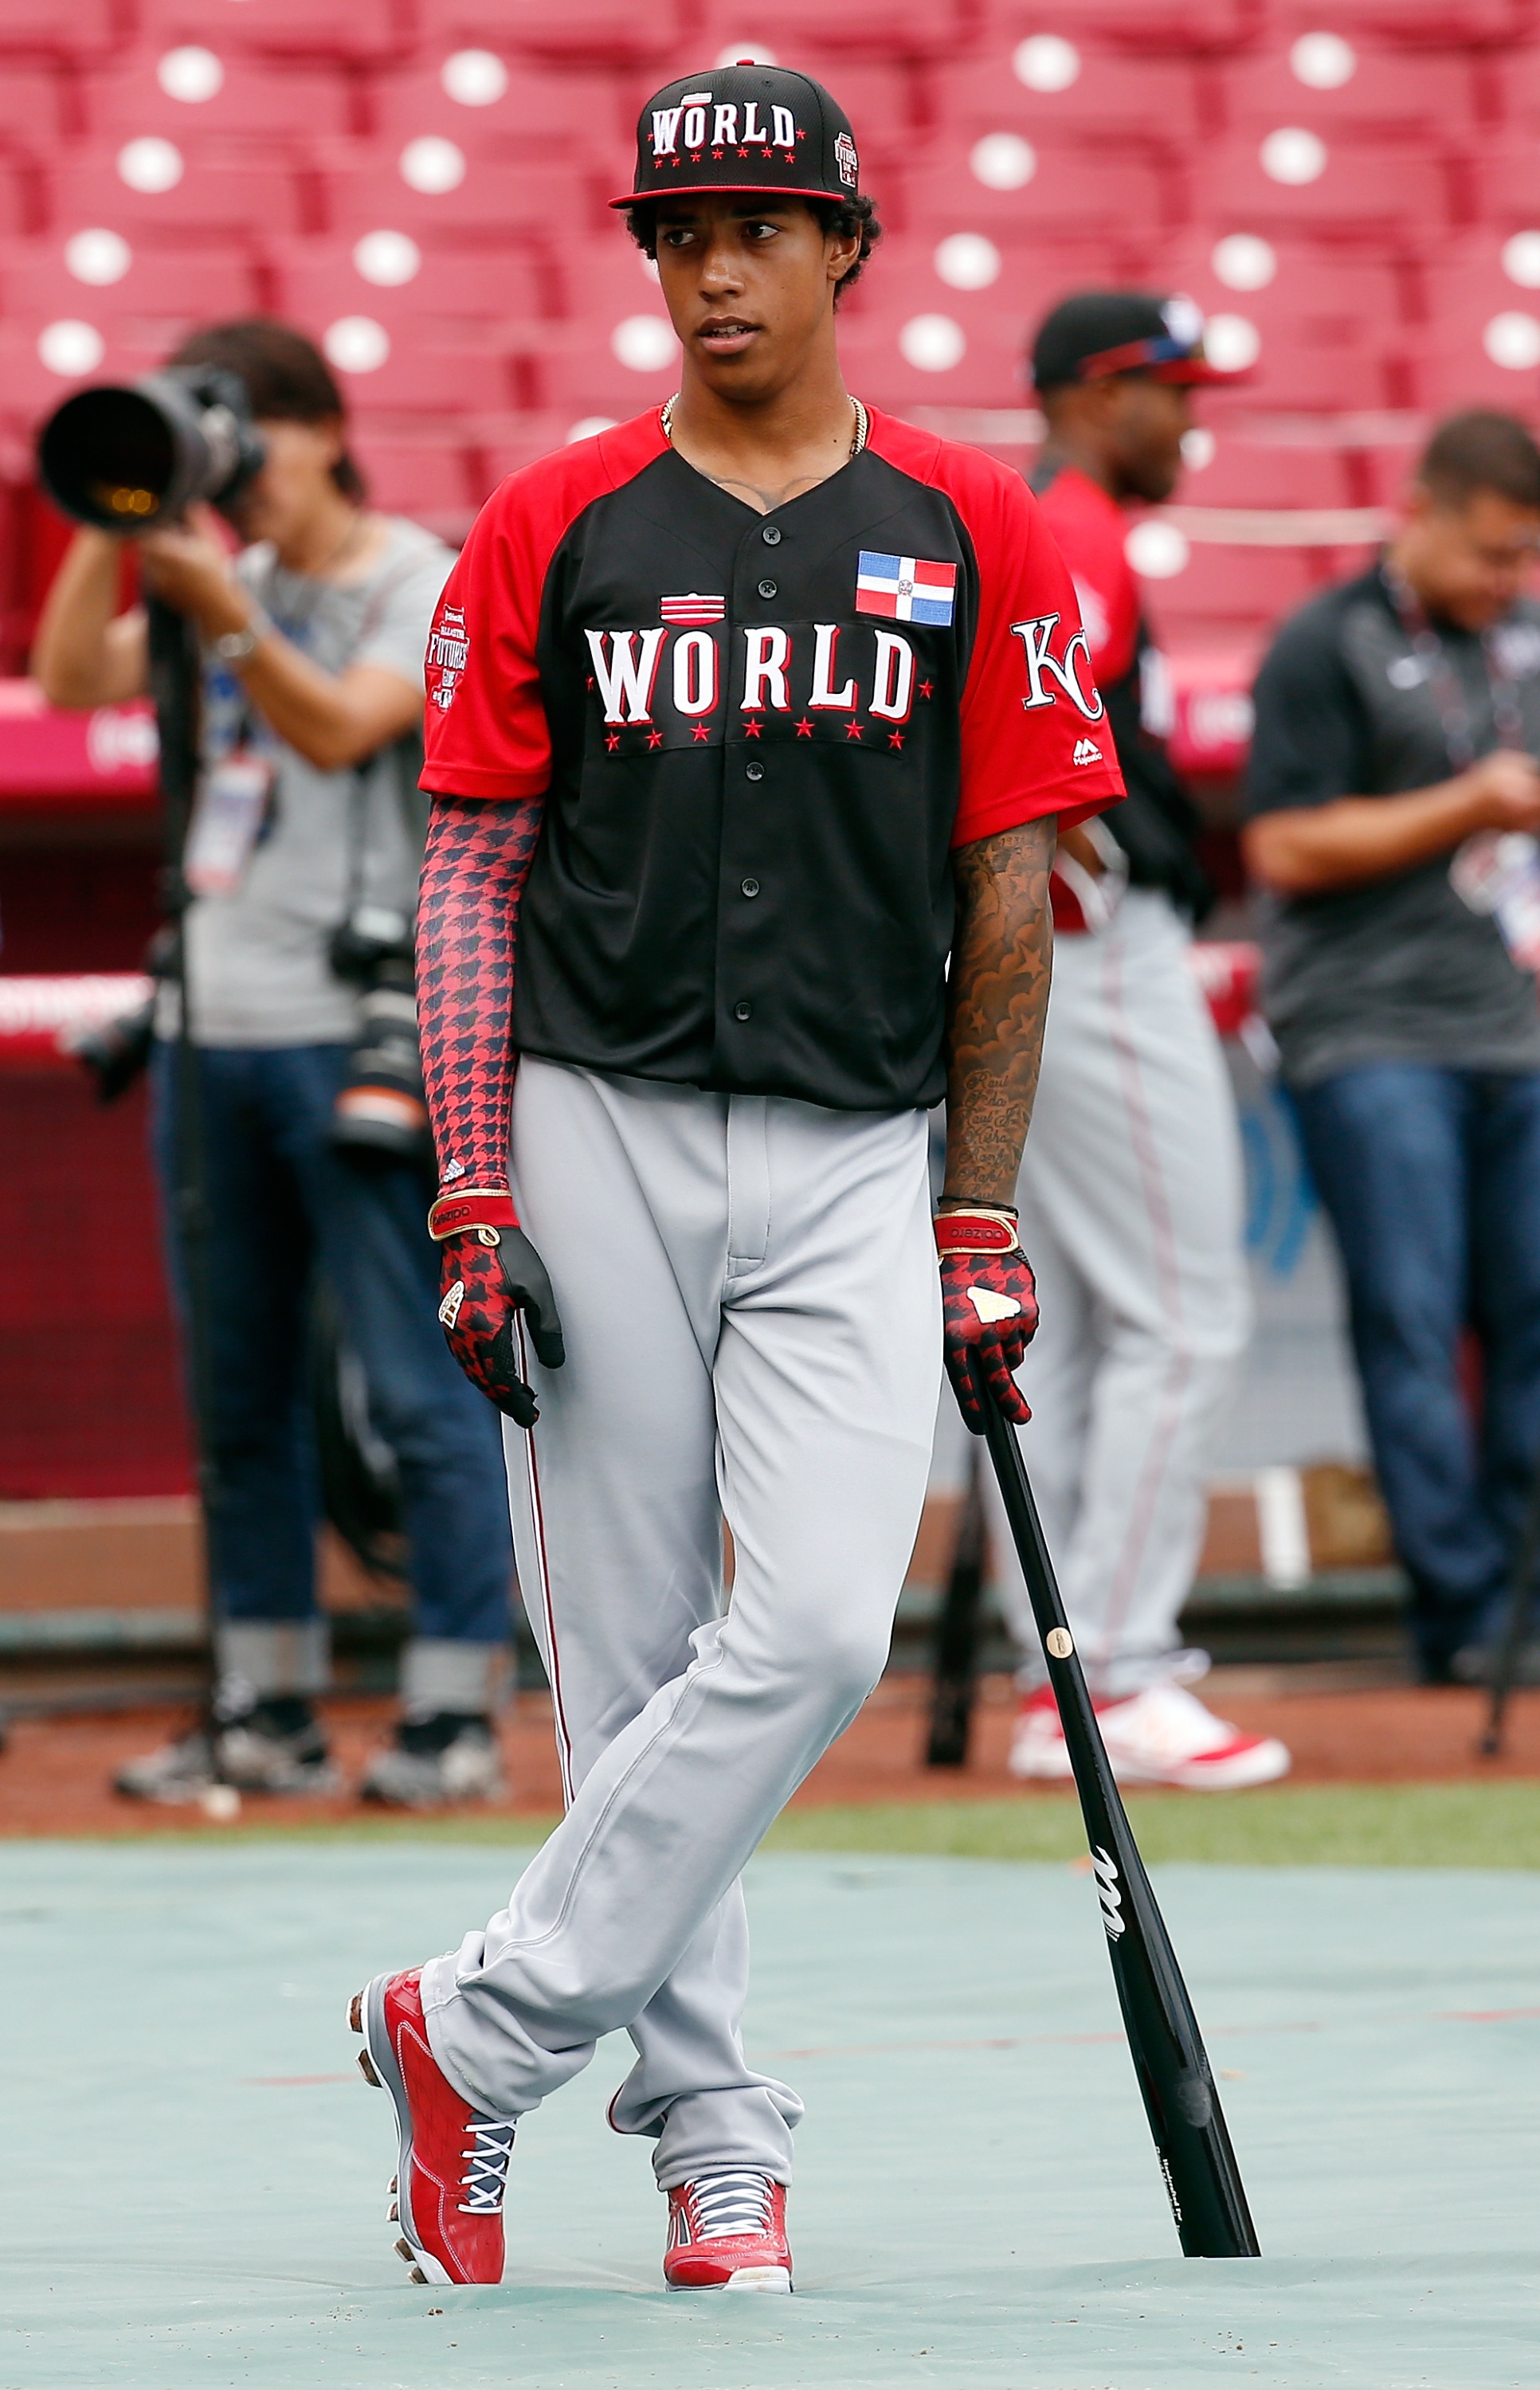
(473, 871)
(997, 1001)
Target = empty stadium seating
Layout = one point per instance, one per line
(1349, 191)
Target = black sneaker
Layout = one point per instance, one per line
(435, 1762)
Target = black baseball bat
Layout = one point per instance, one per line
(955, 1664)
(1192, 2141)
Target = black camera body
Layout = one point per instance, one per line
(381, 1115)
(128, 456)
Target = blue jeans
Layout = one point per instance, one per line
(1431, 1179)
(280, 1202)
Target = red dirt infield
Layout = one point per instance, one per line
(56, 1777)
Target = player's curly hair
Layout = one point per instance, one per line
(843, 218)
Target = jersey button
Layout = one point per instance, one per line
(743, 1009)
(771, 535)
(751, 886)
(769, 588)
(754, 771)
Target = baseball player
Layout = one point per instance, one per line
(1129, 1192)
(742, 717)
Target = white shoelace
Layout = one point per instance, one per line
(489, 2146)
(729, 2206)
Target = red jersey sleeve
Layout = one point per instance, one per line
(486, 732)
(1089, 528)
(1034, 733)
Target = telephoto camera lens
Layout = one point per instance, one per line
(126, 457)
(380, 1115)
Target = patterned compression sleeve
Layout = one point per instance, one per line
(474, 868)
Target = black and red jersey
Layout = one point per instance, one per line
(759, 737)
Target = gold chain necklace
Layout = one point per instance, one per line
(858, 438)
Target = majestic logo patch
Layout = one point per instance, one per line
(845, 159)
(1087, 751)
(448, 645)
(692, 608)
(905, 588)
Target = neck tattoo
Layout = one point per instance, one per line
(770, 499)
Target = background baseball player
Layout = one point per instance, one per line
(750, 709)
(1130, 1192)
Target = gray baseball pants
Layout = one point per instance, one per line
(1130, 1196)
(748, 1291)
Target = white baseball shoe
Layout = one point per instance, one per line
(1161, 1736)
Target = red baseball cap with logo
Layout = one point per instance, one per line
(744, 128)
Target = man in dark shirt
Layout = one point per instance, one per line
(1397, 719)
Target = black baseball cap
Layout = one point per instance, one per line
(1100, 332)
(744, 128)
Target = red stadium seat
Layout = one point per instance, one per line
(790, 30)
(437, 372)
(32, 105)
(1143, 25)
(1506, 185)
(606, 279)
(904, 356)
(1479, 341)
(144, 296)
(1074, 192)
(1510, 84)
(1220, 588)
(1381, 91)
(190, 197)
(1048, 87)
(539, 110)
(190, 94)
(604, 33)
(1449, 24)
(505, 444)
(1332, 186)
(23, 198)
(1242, 472)
(82, 30)
(317, 281)
(1322, 332)
(363, 188)
(82, 351)
(428, 477)
(358, 30)
(613, 370)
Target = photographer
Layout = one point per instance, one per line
(312, 642)
(1397, 725)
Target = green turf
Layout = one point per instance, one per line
(1317, 1825)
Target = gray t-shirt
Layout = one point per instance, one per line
(1400, 969)
(257, 958)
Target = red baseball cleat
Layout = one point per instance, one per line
(453, 2160)
(728, 2232)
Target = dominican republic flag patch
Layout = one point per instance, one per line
(905, 588)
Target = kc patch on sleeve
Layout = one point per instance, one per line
(905, 588)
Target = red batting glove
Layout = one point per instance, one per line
(492, 1273)
(989, 1307)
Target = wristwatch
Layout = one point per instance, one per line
(234, 646)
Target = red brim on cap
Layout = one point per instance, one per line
(1190, 372)
(696, 190)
